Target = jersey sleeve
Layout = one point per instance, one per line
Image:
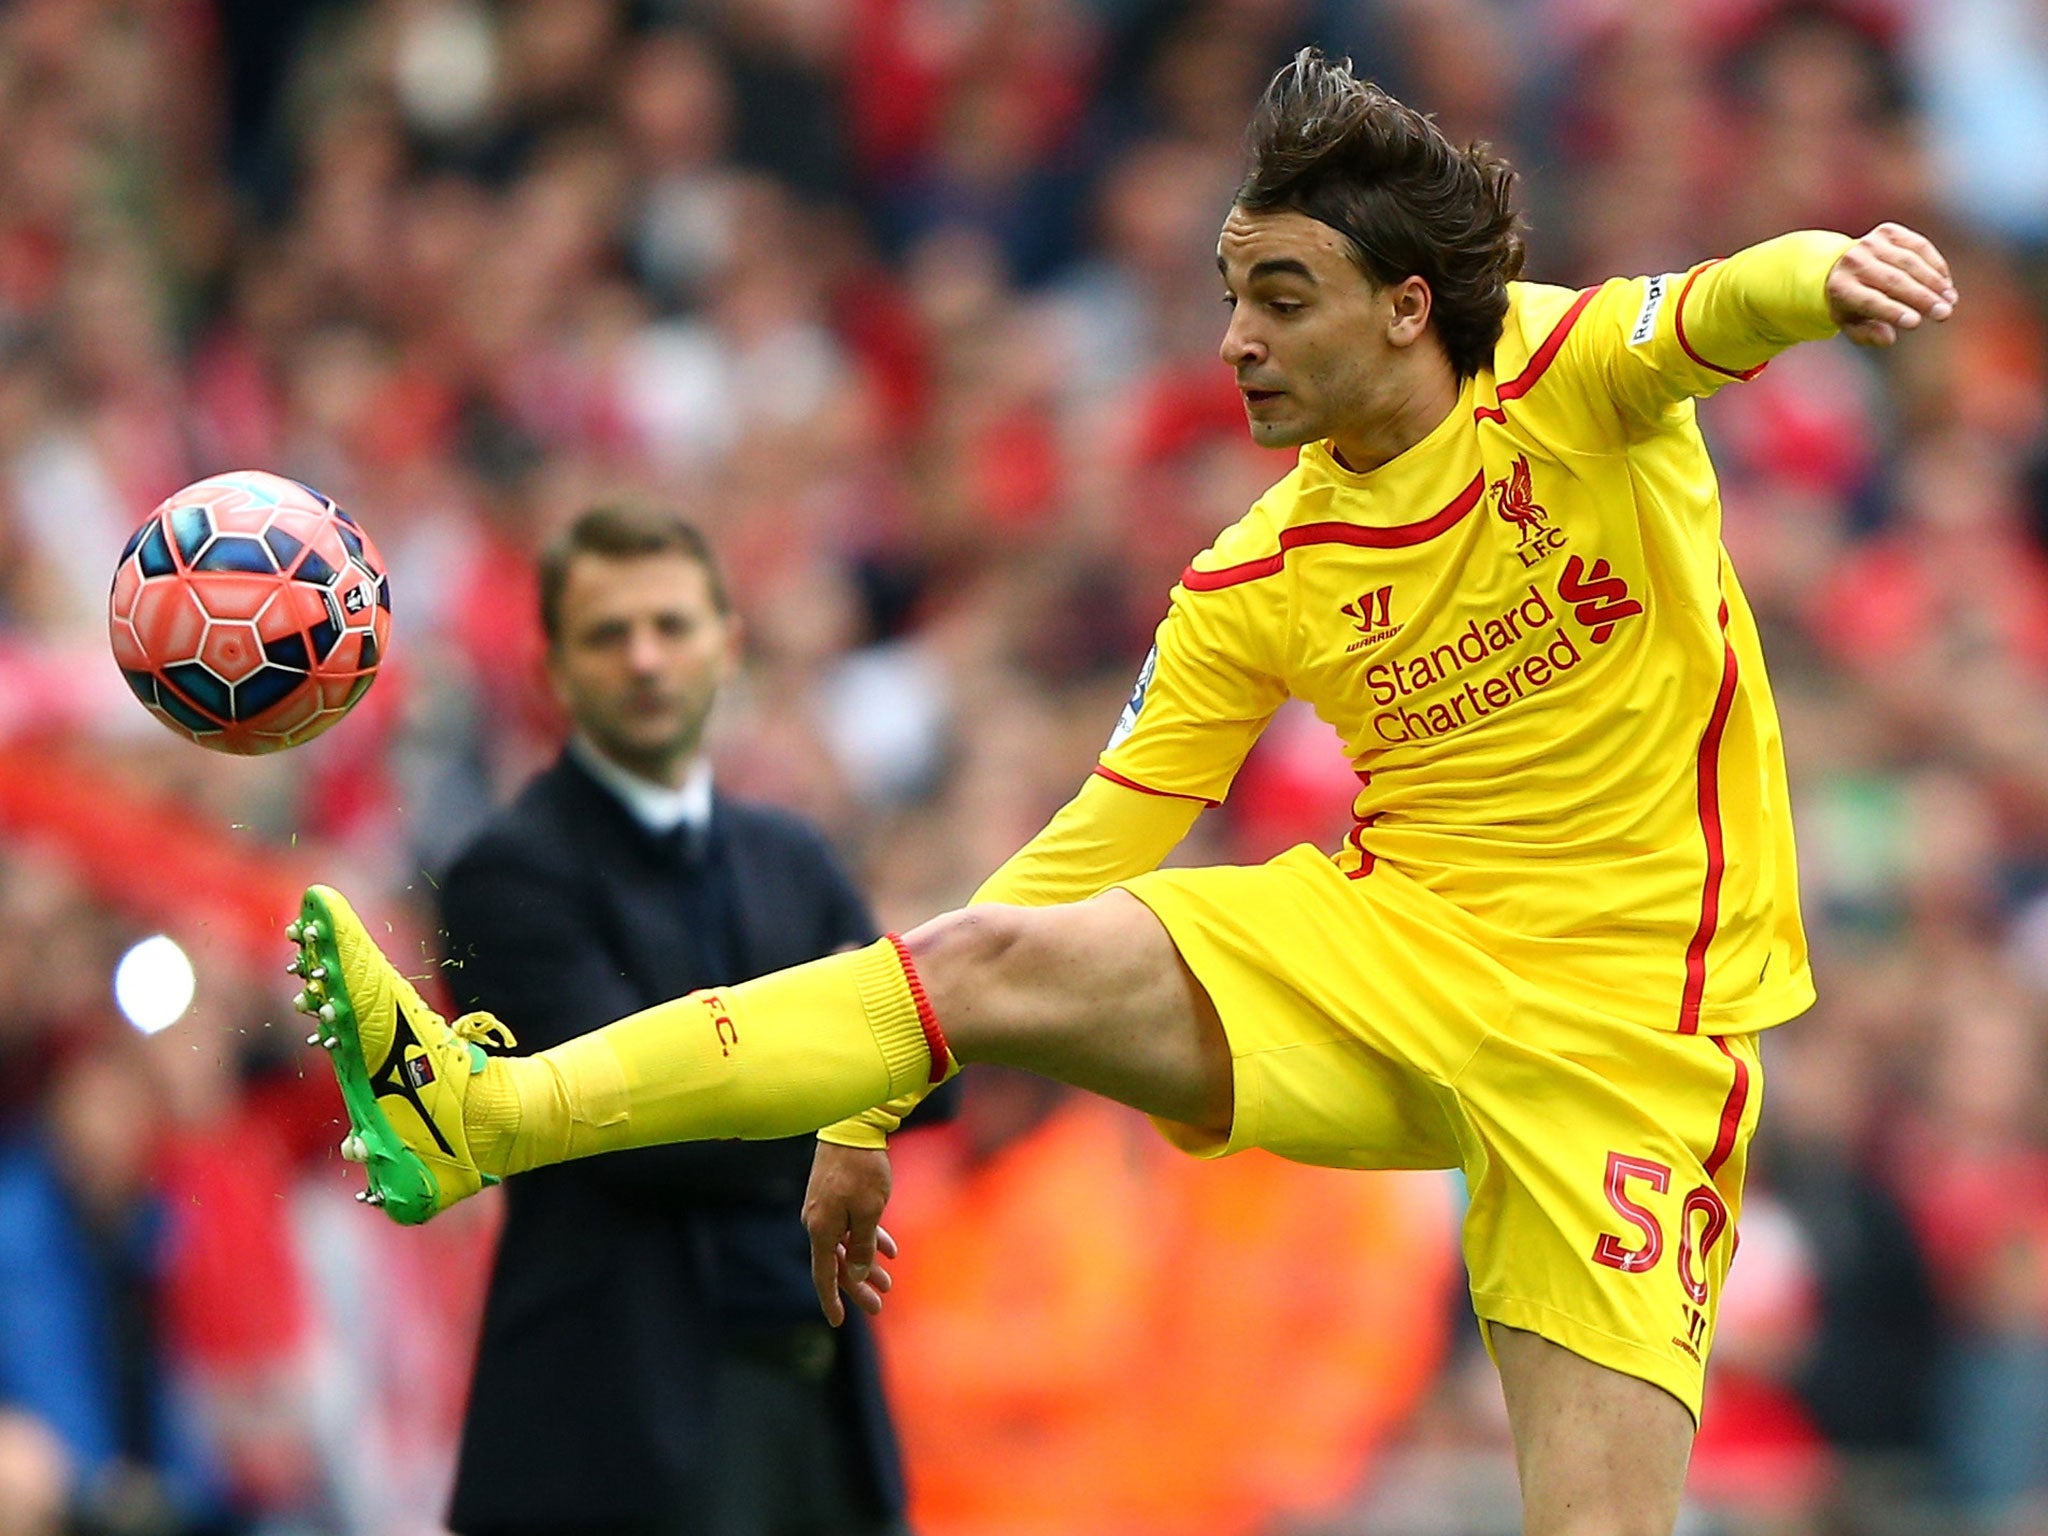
(1651, 342)
(1209, 686)
(1106, 833)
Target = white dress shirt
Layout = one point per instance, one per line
(656, 807)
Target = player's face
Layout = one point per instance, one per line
(1315, 343)
(642, 653)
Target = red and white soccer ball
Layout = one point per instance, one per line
(249, 612)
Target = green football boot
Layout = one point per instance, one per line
(404, 1070)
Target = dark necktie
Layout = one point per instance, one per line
(688, 844)
(703, 884)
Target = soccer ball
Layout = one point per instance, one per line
(249, 612)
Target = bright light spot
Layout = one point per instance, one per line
(154, 984)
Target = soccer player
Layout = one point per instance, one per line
(1567, 907)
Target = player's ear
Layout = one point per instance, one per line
(1408, 305)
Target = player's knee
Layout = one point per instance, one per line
(984, 969)
(974, 947)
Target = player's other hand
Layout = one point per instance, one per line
(842, 1213)
(1890, 281)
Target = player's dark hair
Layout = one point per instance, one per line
(622, 533)
(1407, 201)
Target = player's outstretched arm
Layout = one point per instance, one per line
(1652, 342)
(1889, 281)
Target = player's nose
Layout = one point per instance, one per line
(1239, 345)
(645, 653)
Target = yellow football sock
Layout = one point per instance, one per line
(777, 1056)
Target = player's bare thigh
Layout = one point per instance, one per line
(1093, 994)
(1599, 1453)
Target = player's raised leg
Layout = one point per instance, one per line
(1094, 994)
(1599, 1453)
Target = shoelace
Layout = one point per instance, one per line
(481, 1029)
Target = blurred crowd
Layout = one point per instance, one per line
(912, 305)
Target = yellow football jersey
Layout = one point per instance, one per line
(1527, 633)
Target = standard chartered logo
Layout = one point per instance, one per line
(1487, 666)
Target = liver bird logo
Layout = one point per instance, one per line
(1515, 501)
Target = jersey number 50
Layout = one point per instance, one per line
(1703, 1202)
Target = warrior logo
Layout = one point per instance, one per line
(1372, 614)
(1371, 611)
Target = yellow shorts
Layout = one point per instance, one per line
(1604, 1159)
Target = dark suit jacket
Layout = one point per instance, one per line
(589, 1404)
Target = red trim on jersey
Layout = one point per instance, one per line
(1357, 534)
(1731, 1110)
(1539, 361)
(1231, 575)
(928, 1021)
(1146, 789)
(1710, 831)
(1356, 838)
(1678, 320)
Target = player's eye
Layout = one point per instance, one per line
(1229, 300)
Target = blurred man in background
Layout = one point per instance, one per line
(652, 1360)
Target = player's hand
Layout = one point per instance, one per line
(843, 1212)
(1890, 281)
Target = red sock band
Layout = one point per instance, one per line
(934, 1037)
